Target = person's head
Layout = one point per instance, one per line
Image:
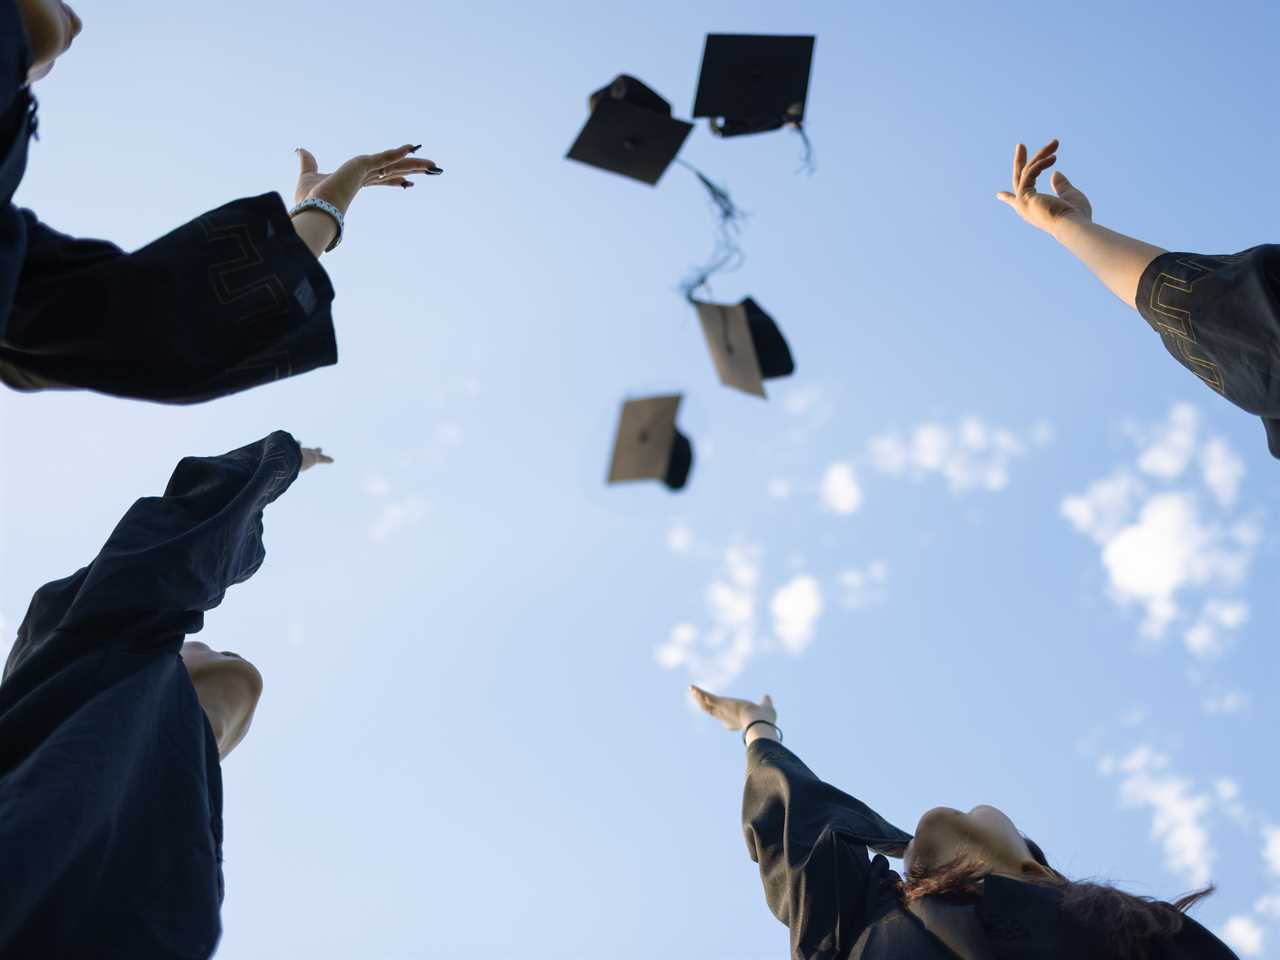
(228, 687)
(51, 27)
(984, 836)
(952, 852)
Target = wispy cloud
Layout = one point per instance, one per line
(1178, 811)
(737, 627)
(1225, 703)
(1158, 543)
(969, 455)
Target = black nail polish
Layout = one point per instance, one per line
(416, 149)
(436, 172)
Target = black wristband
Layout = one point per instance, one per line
(777, 729)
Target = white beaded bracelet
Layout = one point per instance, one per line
(327, 207)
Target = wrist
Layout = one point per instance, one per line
(1068, 226)
(761, 728)
(316, 229)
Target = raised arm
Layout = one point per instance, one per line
(170, 559)
(1115, 259)
(810, 839)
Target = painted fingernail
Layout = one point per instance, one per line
(416, 149)
(436, 171)
(407, 184)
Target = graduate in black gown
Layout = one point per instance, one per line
(1219, 315)
(113, 724)
(975, 888)
(230, 300)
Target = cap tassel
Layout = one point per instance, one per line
(727, 253)
(806, 159)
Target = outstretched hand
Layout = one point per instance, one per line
(390, 168)
(1043, 210)
(735, 714)
(313, 455)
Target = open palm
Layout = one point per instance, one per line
(390, 168)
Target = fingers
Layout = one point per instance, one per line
(707, 701)
(1004, 196)
(308, 160)
(767, 701)
(409, 165)
(388, 182)
(1032, 170)
(1019, 161)
(378, 160)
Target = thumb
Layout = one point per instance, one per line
(1061, 184)
(1004, 196)
(766, 701)
(308, 160)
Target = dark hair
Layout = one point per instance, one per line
(1133, 923)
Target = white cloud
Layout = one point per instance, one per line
(1226, 703)
(717, 654)
(1160, 547)
(1177, 811)
(1171, 446)
(862, 586)
(1243, 935)
(839, 490)
(970, 455)
(1167, 548)
(1102, 510)
(1204, 638)
(679, 539)
(796, 607)
(1271, 848)
(1222, 471)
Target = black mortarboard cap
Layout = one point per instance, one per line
(648, 446)
(746, 345)
(630, 131)
(751, 83)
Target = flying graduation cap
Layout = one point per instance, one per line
(746, 345)
(630, 131)
(648, 446)
(751, 83)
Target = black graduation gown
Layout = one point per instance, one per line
(813, 845)
(110, 788)
(1220, 318)
(229, 301)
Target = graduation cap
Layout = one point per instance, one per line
(630, 131)
(746, 345)
(751, 83)
(648, 446)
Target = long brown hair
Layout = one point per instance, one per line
(1133, 923)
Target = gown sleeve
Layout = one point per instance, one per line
(231, 300)
(17, 118)
(169, 559)
(811, 842)
(1220, 318)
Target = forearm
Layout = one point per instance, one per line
(1115, 259)
(316, 228)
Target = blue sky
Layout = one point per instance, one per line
(990, 544)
